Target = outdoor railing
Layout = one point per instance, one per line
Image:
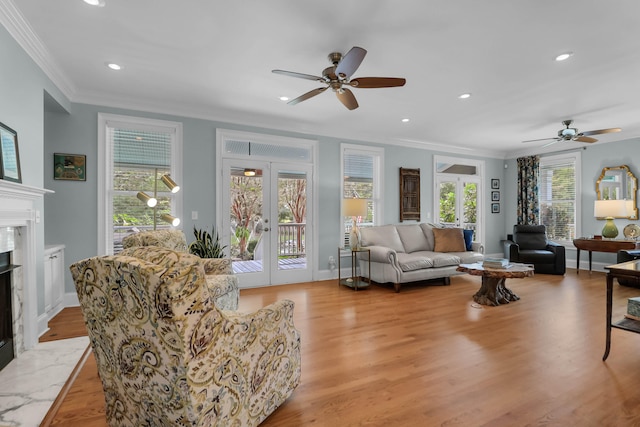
(291, 236)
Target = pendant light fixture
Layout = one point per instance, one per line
(249, 171)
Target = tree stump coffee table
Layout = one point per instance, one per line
(493, 290)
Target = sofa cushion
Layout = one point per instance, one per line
(413, 239)
(384, 235)
(443, 259)
(414, 261)
(427, 230)
(448, 240)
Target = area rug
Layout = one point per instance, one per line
(32, 382)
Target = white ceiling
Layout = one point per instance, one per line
(213, 60)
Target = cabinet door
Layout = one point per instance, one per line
(48, 283)
(57, 275)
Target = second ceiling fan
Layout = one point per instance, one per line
(572, 134)
(339, 75)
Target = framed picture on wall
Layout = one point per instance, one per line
(70, 167)
(495, 184)
(495, 196)
(495, 207)
(9, 156)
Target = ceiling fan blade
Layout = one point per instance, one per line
(346, 97)
(600, 131)
(308, 95)
(375, 82)
(542, 139)
(584, 139)
(298, 75)
(551, 143)
(350, 62)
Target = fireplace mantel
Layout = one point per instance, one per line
(18, 210)
(10, 189)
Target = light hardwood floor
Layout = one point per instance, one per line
(427, 357)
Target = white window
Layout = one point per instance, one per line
(134, 153)
(559, 187)
(361, 178)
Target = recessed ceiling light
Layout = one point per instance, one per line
(464, 96)
(99, 3)
(284, 98)
(564, 56)
(114, 66)
(405, 120)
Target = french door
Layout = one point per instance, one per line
(266, 221)
(458, 202)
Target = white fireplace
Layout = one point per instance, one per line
(18, 218)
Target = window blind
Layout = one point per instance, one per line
(557, 191)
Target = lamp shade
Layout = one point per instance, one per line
(170, 219)
(171, 184)
(610, 209)
(354, 207)
(147, 199)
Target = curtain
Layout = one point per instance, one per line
(528, 206)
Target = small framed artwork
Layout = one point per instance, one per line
(495, 207)
(9, 156)
(495, 184)
(70, 167)
(495, 196)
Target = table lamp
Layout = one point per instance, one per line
(354, 208)
(609, 209)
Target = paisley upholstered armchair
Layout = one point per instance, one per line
(223, 284)
(167, 356)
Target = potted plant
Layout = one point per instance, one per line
(206, 245)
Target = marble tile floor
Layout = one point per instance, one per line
(30, 384)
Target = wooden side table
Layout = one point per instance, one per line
(355, 281)
(625, 270)
(600, 245)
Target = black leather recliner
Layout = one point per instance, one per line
(529, 245)
(629, 255)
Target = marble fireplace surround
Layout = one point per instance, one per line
(18, 218)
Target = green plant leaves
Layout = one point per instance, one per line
(206, 245)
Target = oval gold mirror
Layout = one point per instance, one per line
(618, 183)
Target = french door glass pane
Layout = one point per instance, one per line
(247, 228)
(448, 202)
(470, 207)
(292, 218)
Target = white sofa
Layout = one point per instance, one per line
(415, 252)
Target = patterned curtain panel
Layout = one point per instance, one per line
(528, 206)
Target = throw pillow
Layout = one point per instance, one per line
(468, 238)
(448, 240)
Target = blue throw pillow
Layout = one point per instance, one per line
(468, 237)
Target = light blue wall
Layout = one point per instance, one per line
(22, 89)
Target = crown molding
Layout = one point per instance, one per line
(13, 21)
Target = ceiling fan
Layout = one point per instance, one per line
(572, 134)
(339, 75)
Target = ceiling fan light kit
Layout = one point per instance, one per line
(339, 75)
(572, 134)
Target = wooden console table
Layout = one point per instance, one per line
(624, 270)
(600, 245)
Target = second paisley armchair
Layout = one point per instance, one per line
(223, 284)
